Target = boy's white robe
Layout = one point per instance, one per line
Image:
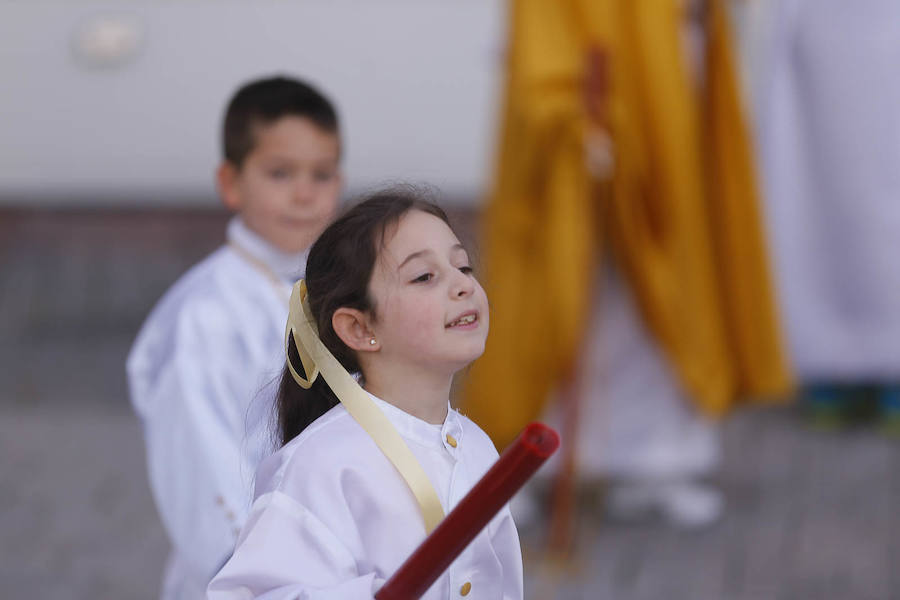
(197, 372)
(333, 519)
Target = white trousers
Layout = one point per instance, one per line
(635, 420)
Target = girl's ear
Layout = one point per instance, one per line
(352, 327)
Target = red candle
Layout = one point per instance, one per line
(514, 467)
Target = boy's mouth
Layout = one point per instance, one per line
(468, 318)
(296, 222)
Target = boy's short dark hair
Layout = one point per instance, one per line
(263, 101)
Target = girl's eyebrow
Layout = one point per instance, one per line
(414, 255)
(421, 253)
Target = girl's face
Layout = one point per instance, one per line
(431, 311)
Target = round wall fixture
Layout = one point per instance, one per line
(105, 41)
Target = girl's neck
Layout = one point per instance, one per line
(420, 395)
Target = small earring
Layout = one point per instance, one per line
(372, 342)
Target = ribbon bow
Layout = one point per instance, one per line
(300, 319)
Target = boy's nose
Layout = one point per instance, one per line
(303, 191)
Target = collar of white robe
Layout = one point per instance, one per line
(318, 360)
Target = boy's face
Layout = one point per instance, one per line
(287, 190)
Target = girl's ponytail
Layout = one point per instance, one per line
(297, 407)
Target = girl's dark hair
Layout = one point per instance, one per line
(338, 271)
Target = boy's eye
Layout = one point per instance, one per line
(279, 173)
(467, 270)
(423, 278)
(321, 176)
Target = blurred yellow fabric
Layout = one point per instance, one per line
(679, 213)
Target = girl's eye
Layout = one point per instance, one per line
(423, 278)
(467, 270)
(278, 173)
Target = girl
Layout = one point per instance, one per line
(365, 472)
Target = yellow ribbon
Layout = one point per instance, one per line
(316, 359)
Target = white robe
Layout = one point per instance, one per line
(333, 519)
(828, 110)
(196, 374)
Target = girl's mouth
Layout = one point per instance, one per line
(467, 319)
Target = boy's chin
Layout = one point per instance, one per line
(293, 244)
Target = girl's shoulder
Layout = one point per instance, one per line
(331, 442)
(335, 444)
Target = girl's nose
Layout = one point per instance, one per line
(463, 285)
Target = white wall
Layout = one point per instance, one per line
(415, 81)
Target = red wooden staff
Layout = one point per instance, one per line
(514, 467)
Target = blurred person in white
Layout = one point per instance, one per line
(638, 425)
(626, 193)
(827, 95)
(199, 368)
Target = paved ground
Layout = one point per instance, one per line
(810, 515)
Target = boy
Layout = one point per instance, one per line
(217, 336)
